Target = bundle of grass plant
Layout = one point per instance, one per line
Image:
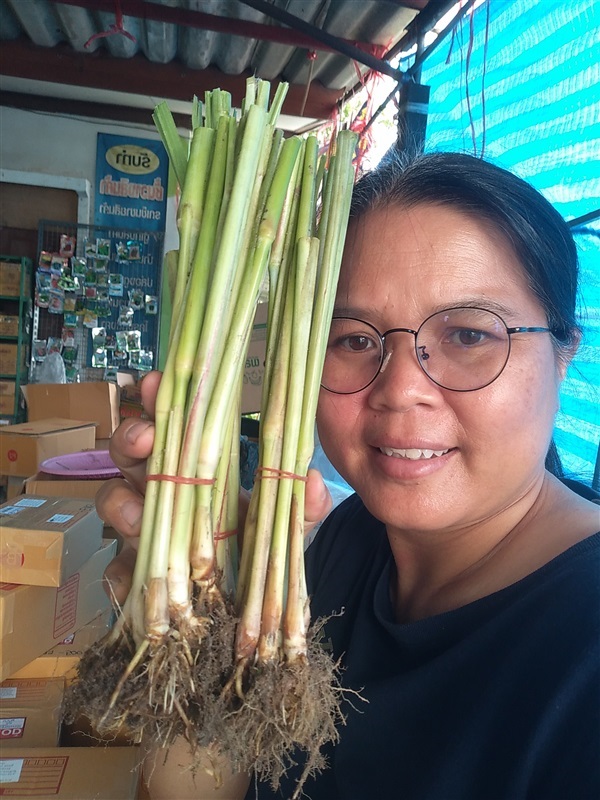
(197, 649)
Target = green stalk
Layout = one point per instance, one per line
(208, 351)
(174, 145)
(211, 445)
(189, 215)
(182, 509)
(272, 611)
(294, 627)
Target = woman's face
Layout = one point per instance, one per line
(399, 267)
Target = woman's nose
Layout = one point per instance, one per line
(401, 382)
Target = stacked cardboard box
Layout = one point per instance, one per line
(45, 630)
(79, 402)
(23, 447)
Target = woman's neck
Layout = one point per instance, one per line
(444, 570)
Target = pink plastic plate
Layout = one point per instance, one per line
(87, 465)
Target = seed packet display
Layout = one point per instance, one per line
(151, 304)
(101, 265)
(146, 360)
(45, 260)
(134, 359)
(98, 337)
(103, 248)
(103, 308)
(69, 354)
(134, 340)
(56, 302)
(67, 245)
(99, 358)
(39, 349)
(115, 284)
(89, 248)
(136, 299)
(125, 317)
(90, 318)
(53, 345)
(78, 267)
(129, 251)
(70, 302)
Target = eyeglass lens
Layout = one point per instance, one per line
(460, 349)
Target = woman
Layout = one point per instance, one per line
(466, 572)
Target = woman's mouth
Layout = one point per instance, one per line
(413, 454)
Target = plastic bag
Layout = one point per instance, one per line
(51, 370)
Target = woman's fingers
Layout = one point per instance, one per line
(119, 573)
(130, 447)
(120, 505)
(132, 442)
(149, 390)
(318, 500)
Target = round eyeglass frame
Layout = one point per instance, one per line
(382, 336)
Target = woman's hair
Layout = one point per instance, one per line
(537, 232)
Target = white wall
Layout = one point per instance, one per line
(56, 145)
(50, 144)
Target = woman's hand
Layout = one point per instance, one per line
(120, 502)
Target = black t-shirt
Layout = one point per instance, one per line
(497, 700)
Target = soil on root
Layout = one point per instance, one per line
(157, 692)
(289, 712)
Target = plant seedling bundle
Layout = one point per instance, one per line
(210, 646)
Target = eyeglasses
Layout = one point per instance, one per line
(461, 349)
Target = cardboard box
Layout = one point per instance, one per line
(61, 661)
(7, 397)
(30, 712)
(9, 325)
(8, 358)
(14, 486)
(97, 401)
(71, 773)
(10, 279)
(44, 540)
(53, 486)
(23, 447)
(254, 369)
(36, 618)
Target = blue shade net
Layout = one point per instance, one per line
(518, 82)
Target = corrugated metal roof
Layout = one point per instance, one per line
(125, 29)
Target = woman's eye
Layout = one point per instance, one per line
(357, 343)
(467, 337)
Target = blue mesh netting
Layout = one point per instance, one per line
(520, 82)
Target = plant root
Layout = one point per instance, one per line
(121, 689)
(289, 712)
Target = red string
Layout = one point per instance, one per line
(180, 479)
(278, 474)
(113, 29)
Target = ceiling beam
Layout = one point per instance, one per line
(137, 75)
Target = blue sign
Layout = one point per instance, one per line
(125, 249)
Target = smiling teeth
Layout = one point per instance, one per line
(413, 454)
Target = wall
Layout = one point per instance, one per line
(55, 145)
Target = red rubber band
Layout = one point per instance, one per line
(278, 474)
(181, 479)
(224, 535)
